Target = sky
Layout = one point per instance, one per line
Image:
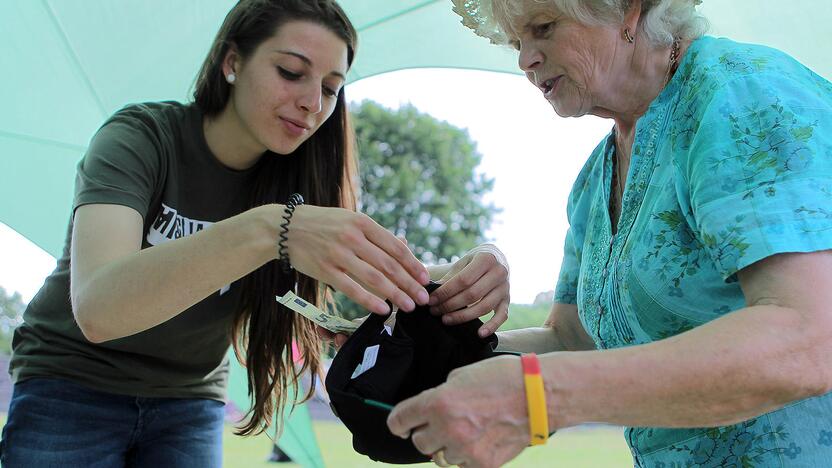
(532, 154)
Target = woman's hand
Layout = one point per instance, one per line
(474, 286)
(336, 338)
(348, 250)
(478, 417)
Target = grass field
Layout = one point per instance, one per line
(526, 315)
(581, 448)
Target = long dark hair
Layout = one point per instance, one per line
(322, 169)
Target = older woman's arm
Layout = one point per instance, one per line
(757, 359)
(562, 331)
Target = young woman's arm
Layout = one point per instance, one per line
(118, 289)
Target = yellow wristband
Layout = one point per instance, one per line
(536, 399)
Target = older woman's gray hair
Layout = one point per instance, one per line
(661, 20)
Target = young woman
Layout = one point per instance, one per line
(171, 254)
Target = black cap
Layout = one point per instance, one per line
(417, 354)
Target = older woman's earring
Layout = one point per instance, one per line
(231, 78)
(627, 36)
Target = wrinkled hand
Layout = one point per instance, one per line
(475, 285)
(478, 417)
(352, 253)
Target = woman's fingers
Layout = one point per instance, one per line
(376, 282)
(473, 282)
(479, 289)
(405, 290)
(478, 309)
(396, 249)
(330, 244)
(458, 283)
(342, 282)
(424, 443)
(326, 335)
(461, 417)
(499, 318)
(340, 339)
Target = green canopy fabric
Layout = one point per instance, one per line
(298, 438)
(68, 64)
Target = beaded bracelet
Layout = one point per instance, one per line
(294, 201)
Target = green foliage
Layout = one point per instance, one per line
(11, 315)
(419, 179)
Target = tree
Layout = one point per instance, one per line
(418, 179)
(11, 315)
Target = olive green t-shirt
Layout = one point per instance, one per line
(152, 158)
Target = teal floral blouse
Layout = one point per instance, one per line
(732, 163)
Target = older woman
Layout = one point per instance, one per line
(697, 274)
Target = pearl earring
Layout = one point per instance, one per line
(231, 78)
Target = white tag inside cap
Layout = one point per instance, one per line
(370, 356)
(390, 322)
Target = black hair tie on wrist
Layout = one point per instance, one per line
(294, 201)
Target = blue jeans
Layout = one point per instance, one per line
(58, 423)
